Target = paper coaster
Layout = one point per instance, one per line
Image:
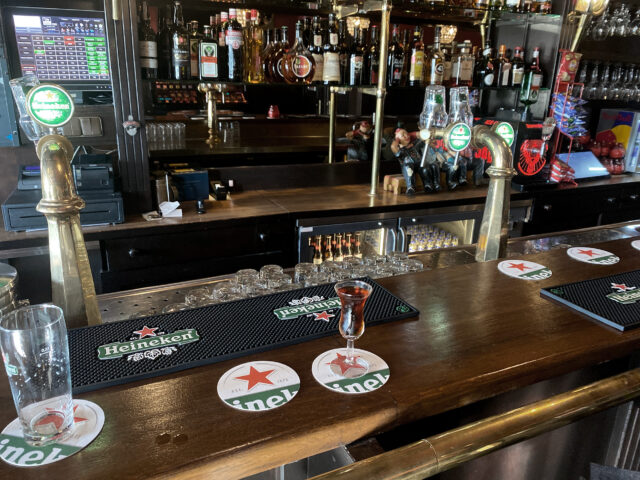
(524, 270)
(592, 255)
(636, 244)
(327, 366)
(88, 422)
(258, 386)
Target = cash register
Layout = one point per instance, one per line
(94, 180)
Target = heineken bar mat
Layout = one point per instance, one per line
(121, 352)
(613, 300)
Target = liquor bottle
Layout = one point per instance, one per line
(180, 57)
(272, 44)
(344, 52)
(194, 47)
(147, 45)
(357, 252)
(317, 256)
(462, 66)
(395, 59)
(164, 39)
(298, 62)
(356, 60)
(406, 50)
(254, 50)
(233, 40)
(307, 33)
(331, 67)
(517, 68)
(275, 64)
(416, 64)
(538, 74)
(208, 55)
(317, 51)
(338, 255)
(512, 6)
(435, 61)
(485, 68)
(328, 254)
(447, 57)
(503, 68)
(348, 252)
(372, 58)
(223, 67)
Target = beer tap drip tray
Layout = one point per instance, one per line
(121, 352)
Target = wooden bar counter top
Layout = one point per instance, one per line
(480, 333)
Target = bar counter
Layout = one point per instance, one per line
(479, 334)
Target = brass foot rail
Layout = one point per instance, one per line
(436, 454)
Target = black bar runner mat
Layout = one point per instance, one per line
(612, 300)
(121, 352)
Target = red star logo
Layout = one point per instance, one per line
(621, 287)
(255, 377)
(520, 266)
(589, 253)
(324, 316)
(341, 361)
(56, 418)
(146, 332)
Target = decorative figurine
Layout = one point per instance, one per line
(361, 142)
(410, 155)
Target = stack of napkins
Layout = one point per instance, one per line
(170, 209)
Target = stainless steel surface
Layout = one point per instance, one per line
(380, 95)
(494, 229)
(71, 279)
(442, 452)
(308, 467)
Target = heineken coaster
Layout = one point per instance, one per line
(636, 244)
(258, 386)
(524, 270)
(592, 255)
(330, 371)
(88, 422)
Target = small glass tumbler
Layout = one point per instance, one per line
(33, 340)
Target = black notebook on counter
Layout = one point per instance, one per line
(612, 300)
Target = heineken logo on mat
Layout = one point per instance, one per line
(623, 294)
(258, 386)
(593, 255)
(524, 269)
(148, 343)
(317, 307)
(333, 371)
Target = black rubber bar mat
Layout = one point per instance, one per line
(612, 300)
(120, 352)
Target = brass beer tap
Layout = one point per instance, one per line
(210, 89)
(492, 241)
(46, 108)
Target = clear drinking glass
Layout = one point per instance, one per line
(33, 340)
(152, 135)
(434, 110)
(20, 88)
(459, 109)
(353, 295)
(302, 270)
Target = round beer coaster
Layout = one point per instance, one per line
(592, 255)
(88, 422)
(258, 386)
(636, 244)
(524, 270)
(330, 371)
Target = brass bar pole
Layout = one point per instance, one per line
(332, 124)
(439, 453)
(71, 280)
(380, 95)
(494, 229)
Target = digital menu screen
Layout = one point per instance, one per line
(62, 48)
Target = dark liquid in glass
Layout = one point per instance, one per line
(352, 318)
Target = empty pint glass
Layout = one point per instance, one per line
(35, 351)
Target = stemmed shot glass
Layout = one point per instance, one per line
(353, 294)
